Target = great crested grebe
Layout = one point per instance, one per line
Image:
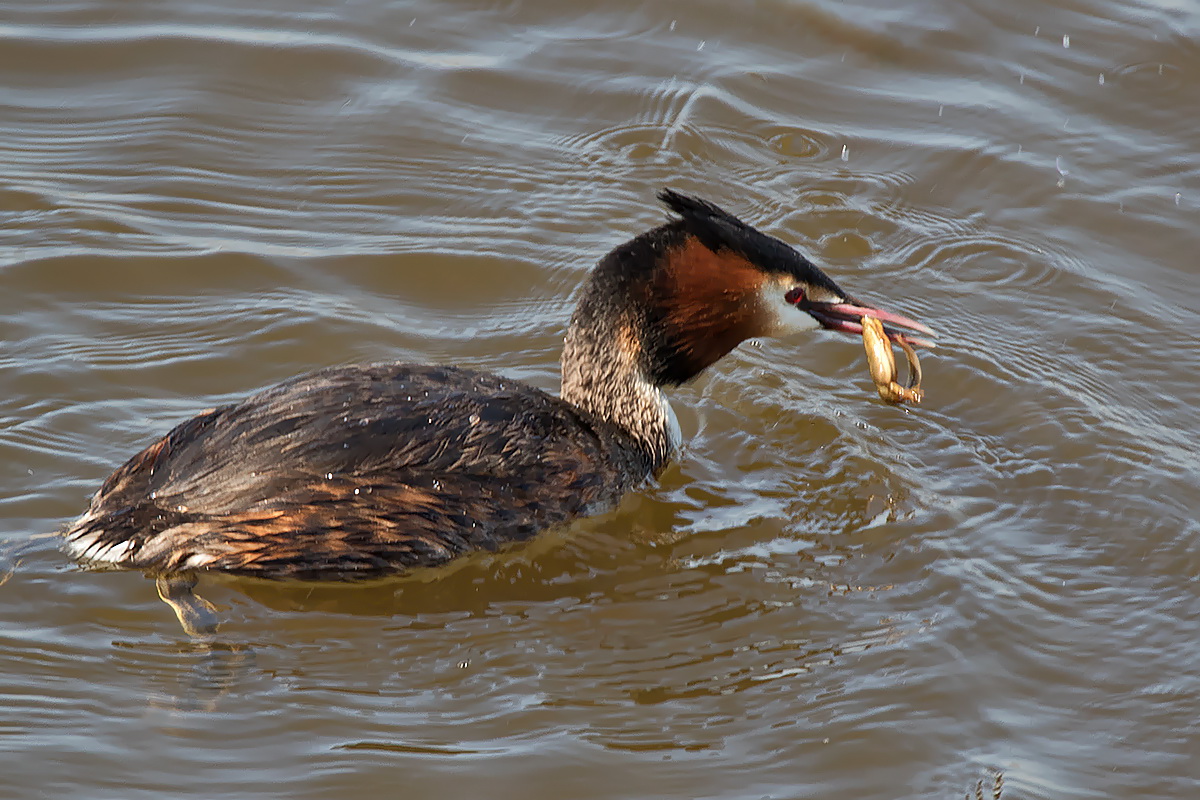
(371, 469)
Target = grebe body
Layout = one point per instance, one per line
(372, 469)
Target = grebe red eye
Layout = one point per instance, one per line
(794, 295)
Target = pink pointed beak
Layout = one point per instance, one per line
(845, 317)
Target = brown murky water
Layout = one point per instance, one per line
(825, 597)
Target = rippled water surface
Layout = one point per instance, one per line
(825, 597)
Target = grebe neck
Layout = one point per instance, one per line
(660, 309)
(654, 313)
(602, 374)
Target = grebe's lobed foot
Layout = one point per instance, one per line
(197, 616)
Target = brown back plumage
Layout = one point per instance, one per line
(359, 471)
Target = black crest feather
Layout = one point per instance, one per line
(719, 230)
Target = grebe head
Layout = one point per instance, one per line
(661, 308)
(721, 281)
(724, 281)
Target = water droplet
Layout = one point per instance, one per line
(437, 485)
(672, 24)
(940, 110)
(1101, 78)
(356, 490)
(1178, 195)
(1022, 79)
(700, 46)
(154, 495)
(181, 508)
(1058, 166)
(845, 152)
(1037, 30)
(328, 476)
(473, 419)
(1066, 40)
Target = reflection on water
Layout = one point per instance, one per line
(824, 597)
